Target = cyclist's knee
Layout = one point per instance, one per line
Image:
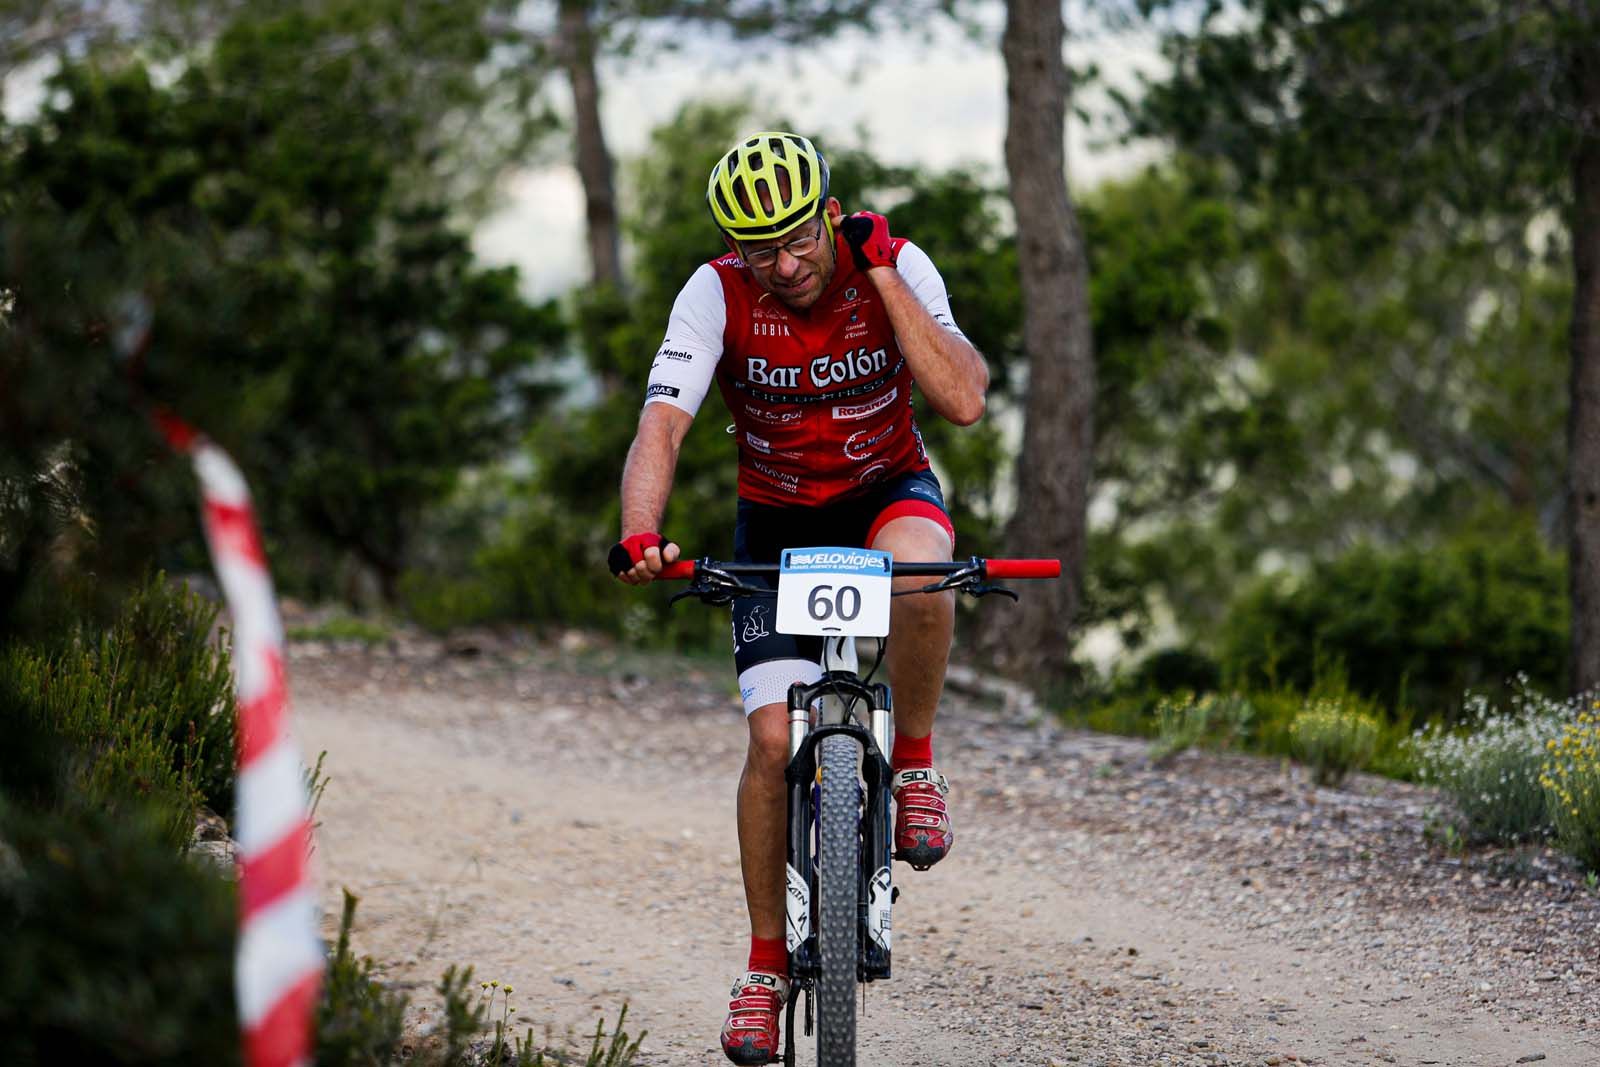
(769, 740)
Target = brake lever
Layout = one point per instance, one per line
(978, 589)
(716, 587)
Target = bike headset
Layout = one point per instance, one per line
(773, 167)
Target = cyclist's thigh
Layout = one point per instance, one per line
(909, 519)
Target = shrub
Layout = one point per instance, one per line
(1492, 769)
(139, 717)
(116, 950)
(1416, 626)
(358, 1021)
(1172, 670)
(1213, 720)
(1571, 778)
(1333, 739)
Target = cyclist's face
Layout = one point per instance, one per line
(797, 280)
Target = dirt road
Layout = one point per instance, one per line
(561, 818)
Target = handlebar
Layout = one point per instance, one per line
(716, 582)
(986, 568)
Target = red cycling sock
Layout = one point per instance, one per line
(769, 955)
(911, 752)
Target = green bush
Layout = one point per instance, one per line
(1333, 739)
(116, 949)
(1571, 778)
(137, 717)
(1491, 768)
(1414, 626)
(1214, 720)
(1173, 670)
(358, 1021)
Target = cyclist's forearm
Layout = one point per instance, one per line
(950, 372)
(647, 474)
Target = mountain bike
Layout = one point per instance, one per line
(840, 886)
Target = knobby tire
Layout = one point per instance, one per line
(838, 907)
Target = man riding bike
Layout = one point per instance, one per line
(815, 327)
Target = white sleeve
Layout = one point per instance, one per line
(923, 278)
(687, 359)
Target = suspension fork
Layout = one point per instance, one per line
(875, 885)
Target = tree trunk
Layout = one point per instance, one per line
(1583, 417)
(1031, 640)
(594, 162)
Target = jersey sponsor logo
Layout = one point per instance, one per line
(777, 418)
(871, 474)
(757, 393)
(761, 372)
(789, 483)
(770, 329)
(762, 445)
(850, 293)
(859, 445)
(661, 390)
(857, 363)
(847, 412)
(674, 354)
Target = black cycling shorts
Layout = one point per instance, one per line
(762, 532)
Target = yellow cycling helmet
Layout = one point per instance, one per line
(785, 167)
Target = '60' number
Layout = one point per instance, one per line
(846, 603)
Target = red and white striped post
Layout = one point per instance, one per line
(278, 969)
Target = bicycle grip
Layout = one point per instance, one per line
(1023, 568)
(683, 568)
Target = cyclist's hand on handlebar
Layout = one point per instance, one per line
(638, 558)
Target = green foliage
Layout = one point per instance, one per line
(1460, 102)
(1490, 766)
(1571, 779)
(1214, 720)
(117, 949)
(280, 214)
(1411, 625)
(137, 718)
(343, 628)
(1334, 739)
(1172, 670)
(1274, 390)
(509, 1050)
(358, 1021)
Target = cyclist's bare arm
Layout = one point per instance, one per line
(950, 372)
(647, 482)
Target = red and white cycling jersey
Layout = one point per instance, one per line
(821, 399)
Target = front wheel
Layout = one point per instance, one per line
(838, 907)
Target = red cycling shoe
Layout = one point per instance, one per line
(922, 834)
(750, 1036)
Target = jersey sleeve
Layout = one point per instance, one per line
(923, 278)
(687, 359)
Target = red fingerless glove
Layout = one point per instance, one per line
(630, 550)
(868, 237)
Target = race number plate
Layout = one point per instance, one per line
(834, 591)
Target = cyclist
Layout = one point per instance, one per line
(815, 327)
